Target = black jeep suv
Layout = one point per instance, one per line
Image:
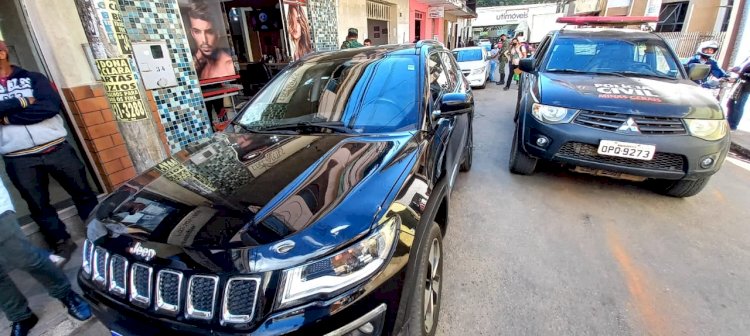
(323, 212)
(617, 103)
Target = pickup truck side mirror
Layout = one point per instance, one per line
(527, 65)
(698, 72)
(454, 104)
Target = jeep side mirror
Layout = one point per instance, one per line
(527, 65)
(698, 72)
(455, 103)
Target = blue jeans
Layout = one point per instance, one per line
(738, 109)
(16, 251)
(493, 67)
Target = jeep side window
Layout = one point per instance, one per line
(436, 76)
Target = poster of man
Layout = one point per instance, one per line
(209, 43)
(297, 28)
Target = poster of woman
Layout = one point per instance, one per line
(298, 28)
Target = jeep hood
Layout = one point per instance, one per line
(237, 191)
(628, 95)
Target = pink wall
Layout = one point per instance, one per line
(427, 24)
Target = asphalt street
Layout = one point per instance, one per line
(560, 253)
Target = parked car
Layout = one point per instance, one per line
(618, 103)
(474, 64)
(324, 212)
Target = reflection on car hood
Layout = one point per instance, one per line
(630, 95)
(471, 65)
(245, 190)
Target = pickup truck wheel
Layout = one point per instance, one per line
(424, 307)
(520, 162)
(681, 188)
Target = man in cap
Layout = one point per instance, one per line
(351, 40)
(34, 147)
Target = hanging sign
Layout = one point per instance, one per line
(122, 89)
(435, 12)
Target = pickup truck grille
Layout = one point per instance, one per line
(648, 125)
(162, 291)
(661, 161)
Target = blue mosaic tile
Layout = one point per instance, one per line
(181, 108)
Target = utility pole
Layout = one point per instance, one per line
(110, 45)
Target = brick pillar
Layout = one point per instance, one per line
(91, 112)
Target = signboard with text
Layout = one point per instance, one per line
(114, 26)
(122, 89)
(435, 12)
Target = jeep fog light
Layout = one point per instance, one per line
(331, 275)
(542, 141)
(707, 162)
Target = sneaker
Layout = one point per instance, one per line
(506, 88)
(65, 248)
(57, 260)
(77, 307)
(22, 328)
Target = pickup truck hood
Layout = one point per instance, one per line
(628, 95)
(237, 191)
(471, 65)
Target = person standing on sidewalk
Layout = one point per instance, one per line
(33, 146)
(738, 103)
(351, 39)
(17, 252)
(515, 54)
(494, 57)
(503, 46)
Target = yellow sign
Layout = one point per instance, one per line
(114, 25)
(122, 89)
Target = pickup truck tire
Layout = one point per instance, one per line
(520, 163)
(681, 188)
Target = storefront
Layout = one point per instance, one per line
(184, 55)
(438, 20)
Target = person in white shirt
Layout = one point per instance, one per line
(17, 252)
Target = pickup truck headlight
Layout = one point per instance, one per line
(707, 129)
(552, 114)
(334, 274)
(477, 71)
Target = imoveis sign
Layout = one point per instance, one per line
(513, 15)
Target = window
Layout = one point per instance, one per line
(437, 77)
(451, 70)
(636, 57)
(727, 15)
(469, 55)
(672, 17)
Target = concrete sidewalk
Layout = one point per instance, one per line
(741, 142)
(53, 317)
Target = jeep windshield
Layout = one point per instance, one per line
(352, 95)
(611, 56)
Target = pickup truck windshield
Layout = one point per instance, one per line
(468, 55)
(644, 57)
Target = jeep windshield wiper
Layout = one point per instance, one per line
(310, 127)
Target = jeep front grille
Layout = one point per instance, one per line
(101, 256)
(168, 291)
(201, 297)
(140, 285)
(647, 124)
(661, 161)
(118, 275)
(88, 255)
(240, 297)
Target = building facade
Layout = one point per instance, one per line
(446, 21)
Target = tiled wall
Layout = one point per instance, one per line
(181, 108)
(325, 30)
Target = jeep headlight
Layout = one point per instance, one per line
(334, 274)
(552, 114)
(477, 71)
(707, 129)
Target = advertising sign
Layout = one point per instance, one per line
(122, 89)
(515, 15)
(207, 35)
(297, 28)
(109, 11)
(435, 12)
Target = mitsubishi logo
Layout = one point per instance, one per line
(629, 126)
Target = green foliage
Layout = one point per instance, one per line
(488, 3)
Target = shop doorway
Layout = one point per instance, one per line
(14, 30)
(418, 17)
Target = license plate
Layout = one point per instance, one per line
(626, 150)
